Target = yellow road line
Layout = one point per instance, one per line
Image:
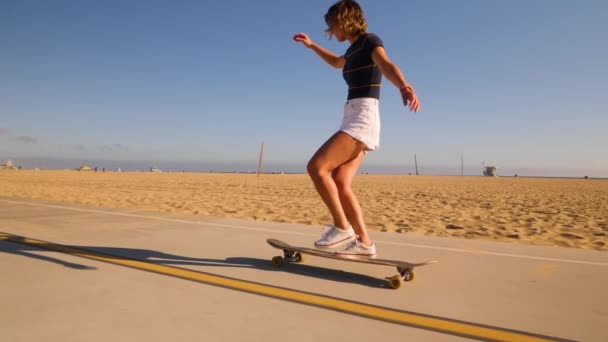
(351, 307)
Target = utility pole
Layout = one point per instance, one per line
(260, 162)
(462, 165)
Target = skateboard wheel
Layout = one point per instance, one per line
(277, 261)
(408, 276)
(298, 257)
(395, 282)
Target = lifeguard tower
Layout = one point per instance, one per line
(490, 171)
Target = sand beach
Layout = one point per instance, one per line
(540, 211)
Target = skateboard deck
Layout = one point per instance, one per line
(294, 254)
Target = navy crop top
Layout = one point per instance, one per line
(360, 72)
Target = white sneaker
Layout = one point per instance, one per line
(356, 248)
(335, 238)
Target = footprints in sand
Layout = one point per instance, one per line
(571, 236)
(453, 226)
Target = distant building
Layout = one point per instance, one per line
(8, 165)
(84, 167)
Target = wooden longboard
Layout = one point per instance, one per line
(294, 254)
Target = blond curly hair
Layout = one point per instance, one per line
(348, 16)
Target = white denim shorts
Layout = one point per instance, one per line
(362, 121)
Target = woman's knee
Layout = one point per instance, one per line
(314, 168)
(342, 183)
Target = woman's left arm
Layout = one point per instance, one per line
(392, 72)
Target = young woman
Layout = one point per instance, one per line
(335, 164)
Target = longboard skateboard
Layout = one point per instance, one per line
(294, 254)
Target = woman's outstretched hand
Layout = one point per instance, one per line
(303, 38)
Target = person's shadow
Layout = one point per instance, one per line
(31, 252)
(22, 248)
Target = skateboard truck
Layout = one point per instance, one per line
(288, 256)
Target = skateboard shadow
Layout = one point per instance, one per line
(162, 258)
(335, 275)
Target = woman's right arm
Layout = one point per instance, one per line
(328, 56)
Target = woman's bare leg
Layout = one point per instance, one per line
(343, 177)
(337, 150)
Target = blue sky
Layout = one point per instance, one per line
(517, 84)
